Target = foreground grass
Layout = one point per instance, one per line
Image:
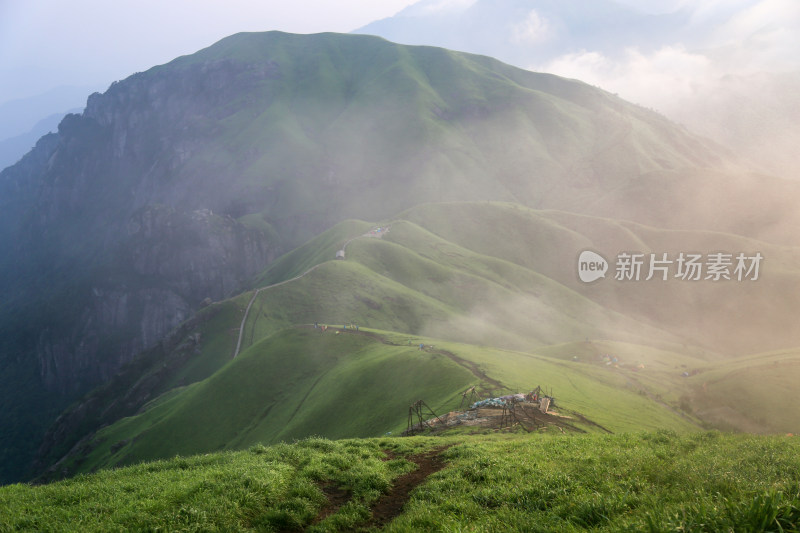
(262, 489)
(636, 482)
(646, 482)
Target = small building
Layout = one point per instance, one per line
(340, 254)
(544, 404)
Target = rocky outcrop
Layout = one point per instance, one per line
(124, 239)
(168, 264)
(113, 234)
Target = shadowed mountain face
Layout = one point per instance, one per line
(181, 183)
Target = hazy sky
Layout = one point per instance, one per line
(90, 43)
(47, 43)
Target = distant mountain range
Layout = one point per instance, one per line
(178, 186)
(13, 148)
(23, 121)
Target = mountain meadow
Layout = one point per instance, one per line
(332, 283)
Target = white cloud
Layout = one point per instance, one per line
(745, 37)
(532, 30)
(725, 86)
(762, 36)
(665, 75)
(705, 10)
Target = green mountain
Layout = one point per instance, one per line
(340, 384)
(500, 308)
(179, 185)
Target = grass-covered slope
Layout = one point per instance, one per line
(502, 274)
(318, 250)
(729, 316)
(414, 281)
(752, 393)
(494, 282)
(345, 383)
(636, 482)
(296, 383)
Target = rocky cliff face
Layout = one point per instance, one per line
(109, 244)
(125, 246)
(168, 262)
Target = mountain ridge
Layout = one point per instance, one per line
(505, 299)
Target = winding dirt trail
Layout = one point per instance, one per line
(390, 505)
(253, 299)
(257, 291)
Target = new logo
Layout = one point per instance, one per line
(591, 266)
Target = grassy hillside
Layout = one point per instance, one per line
(413, 281)
(494, 284)
(752, 393)
(729, 317)
(505, 275)
(293, 384)
(345, 383)
(320, 249)
(636, 482)
(329, 126)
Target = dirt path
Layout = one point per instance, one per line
(472, 367)
(253, 299)
(257, 291)
(390, 505)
